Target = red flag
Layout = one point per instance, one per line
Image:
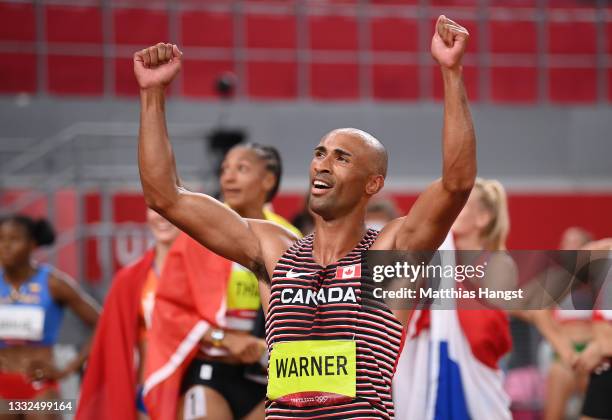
(109, 384)
(189, 299)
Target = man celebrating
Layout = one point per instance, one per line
(330, 357)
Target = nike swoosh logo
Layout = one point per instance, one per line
(292, 275)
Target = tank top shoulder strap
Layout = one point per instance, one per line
(369, 239)
(43, 272)
(305, 244)
(302, 245)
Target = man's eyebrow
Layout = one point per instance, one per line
(336, 150)
(342, 152)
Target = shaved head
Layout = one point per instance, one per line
(377, 154)
(348, 167)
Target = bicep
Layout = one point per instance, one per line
(215, 226)
(429, 220)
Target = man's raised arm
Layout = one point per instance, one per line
(432, 215)
(205, 219)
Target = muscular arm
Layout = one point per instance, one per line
(211, 223)
(432, 215)
(202, 217)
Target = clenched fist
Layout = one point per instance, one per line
(448, 43)
(157, 66)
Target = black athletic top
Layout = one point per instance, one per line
(302, 308)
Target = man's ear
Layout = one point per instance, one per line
(375, 184)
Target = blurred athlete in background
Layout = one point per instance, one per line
(32, 301)
(455, 354)
(221, 377)
(123, 330)
(562, 382)
(596, 359)
(461, 349)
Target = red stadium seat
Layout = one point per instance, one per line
(513, 37)
(470, 78)
(394, 1)
(609, 36)
(514, 84)
(272, 80)
(395, 82)
(334, 81)
(394, 34)
(572, 37)
(74, 24)
(140, 27)
(18, 73)
(74, 75)
(270, 2)
(125, 82)
(521, 4)
(333, 32)
(271, 31)
(17, 22)
(199, 76)
(454, 3)
(570, 4)
(339, 1)
(573, 85)
(207, 29)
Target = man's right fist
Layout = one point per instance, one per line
(156, 66)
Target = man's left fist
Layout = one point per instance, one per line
(448, 43)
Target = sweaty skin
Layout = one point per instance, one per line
(347, 169)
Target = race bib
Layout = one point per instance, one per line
(242, 290)
(21, 322)
(312, 372)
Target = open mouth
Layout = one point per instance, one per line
(320, 186)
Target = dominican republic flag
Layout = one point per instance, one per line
(439, 377)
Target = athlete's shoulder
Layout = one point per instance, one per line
(269, 230)
(46, 273)
(276, 218)
(274, 240)
(59, 283)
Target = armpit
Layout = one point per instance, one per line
(259, 269)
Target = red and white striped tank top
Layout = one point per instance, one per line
(310, 302)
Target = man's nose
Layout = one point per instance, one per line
(322, 165)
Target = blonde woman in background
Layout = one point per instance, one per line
(484, 225)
